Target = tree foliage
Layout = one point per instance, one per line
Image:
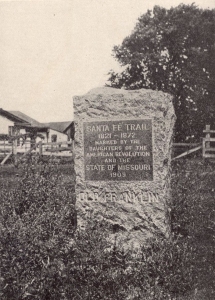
(173, 51)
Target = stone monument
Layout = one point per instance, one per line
(122, 160)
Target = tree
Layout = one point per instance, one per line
(173, 51)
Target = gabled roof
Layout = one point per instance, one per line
(27, 119)
(11, 116)
(59, 126)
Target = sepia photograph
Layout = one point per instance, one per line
(107, 150)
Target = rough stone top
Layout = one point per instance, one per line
(109, 91)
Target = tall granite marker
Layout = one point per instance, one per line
(122, 160)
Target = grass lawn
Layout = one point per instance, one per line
(9, 174)
(193, 217)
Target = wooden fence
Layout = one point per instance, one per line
(20, 149)
(207, 145)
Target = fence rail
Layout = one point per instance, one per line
(16, 147)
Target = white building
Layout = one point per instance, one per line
(16, 123)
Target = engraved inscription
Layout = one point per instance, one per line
(118, 150)
(129, 197)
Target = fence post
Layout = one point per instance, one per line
(206, 140)
(40, 148)
(15, 150)
(208, 135)
(73, 145)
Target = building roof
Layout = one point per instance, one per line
(27, 119)
(21, 118)
(59, 126)
(11, 116)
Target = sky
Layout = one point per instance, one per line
(53, 50)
